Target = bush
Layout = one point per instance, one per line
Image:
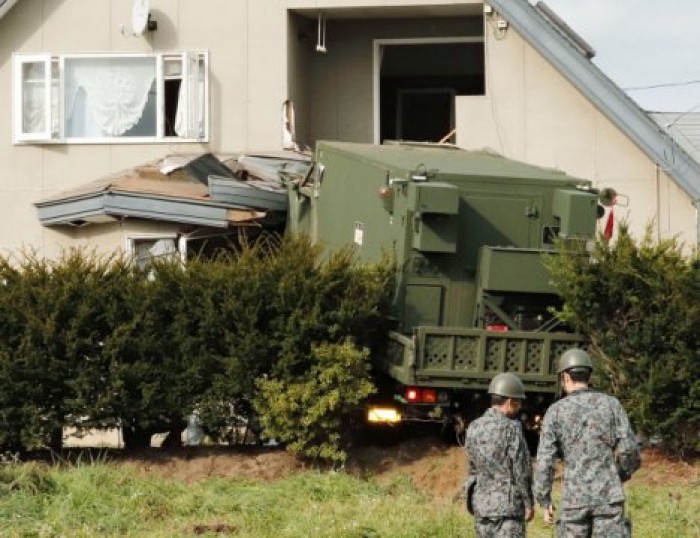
(289, 313)
(51, 329)
(308, 412)
(91, 342)
(639, 302)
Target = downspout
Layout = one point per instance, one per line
(697, 222)
(658, 202)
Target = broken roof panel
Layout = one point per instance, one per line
(270, 167)
(207, 165)
(180, 196)
(263, 195)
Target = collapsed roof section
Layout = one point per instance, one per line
(198, 190)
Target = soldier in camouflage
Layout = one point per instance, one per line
(591, 433)
(500, 473)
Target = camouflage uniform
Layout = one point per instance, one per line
(591, 433)
(499, 462)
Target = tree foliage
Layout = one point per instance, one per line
(639, 302)
(307, 412)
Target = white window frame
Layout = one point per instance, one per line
(58, 109)
(18, 101)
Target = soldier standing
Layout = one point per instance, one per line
(499, 482)
(591, 433)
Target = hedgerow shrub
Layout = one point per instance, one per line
(639, 302)
(283, 306)
(98, 342)
(52, 325)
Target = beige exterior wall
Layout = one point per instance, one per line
(104, 238)
(532, 113)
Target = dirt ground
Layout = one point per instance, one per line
(435, 468)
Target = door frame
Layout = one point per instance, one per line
(379, 44)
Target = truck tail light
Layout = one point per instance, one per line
(413, 394)
(418, 395)
(429, 396)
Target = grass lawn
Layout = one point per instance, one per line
(114, 499)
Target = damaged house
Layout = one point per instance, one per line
(159, 127)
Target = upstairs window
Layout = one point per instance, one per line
(111, 98)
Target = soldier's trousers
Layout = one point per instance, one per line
(501, 527)
(605, 521)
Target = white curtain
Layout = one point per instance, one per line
(34, 97)
(189, 115)
(110, 93)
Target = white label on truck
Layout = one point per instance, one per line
(359, 233)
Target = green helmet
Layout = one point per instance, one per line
(508, 386)
(575, 359)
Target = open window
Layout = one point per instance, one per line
(111, 98)
(36, 98)
(144, 249)
(184, 91)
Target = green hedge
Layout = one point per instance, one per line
(639, 302)
(97, 342)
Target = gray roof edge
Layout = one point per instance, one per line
(132, 206)
(219, 204)
(48, 202)
(603, 93)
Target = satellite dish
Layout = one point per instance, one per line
(139, 16)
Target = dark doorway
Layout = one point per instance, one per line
(418, 83)
(424, 113)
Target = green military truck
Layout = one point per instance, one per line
(473, 297)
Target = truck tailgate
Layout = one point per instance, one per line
(454, 357)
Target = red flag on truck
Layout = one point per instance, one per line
(608, 231)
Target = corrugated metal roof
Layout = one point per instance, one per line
(684, 127)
